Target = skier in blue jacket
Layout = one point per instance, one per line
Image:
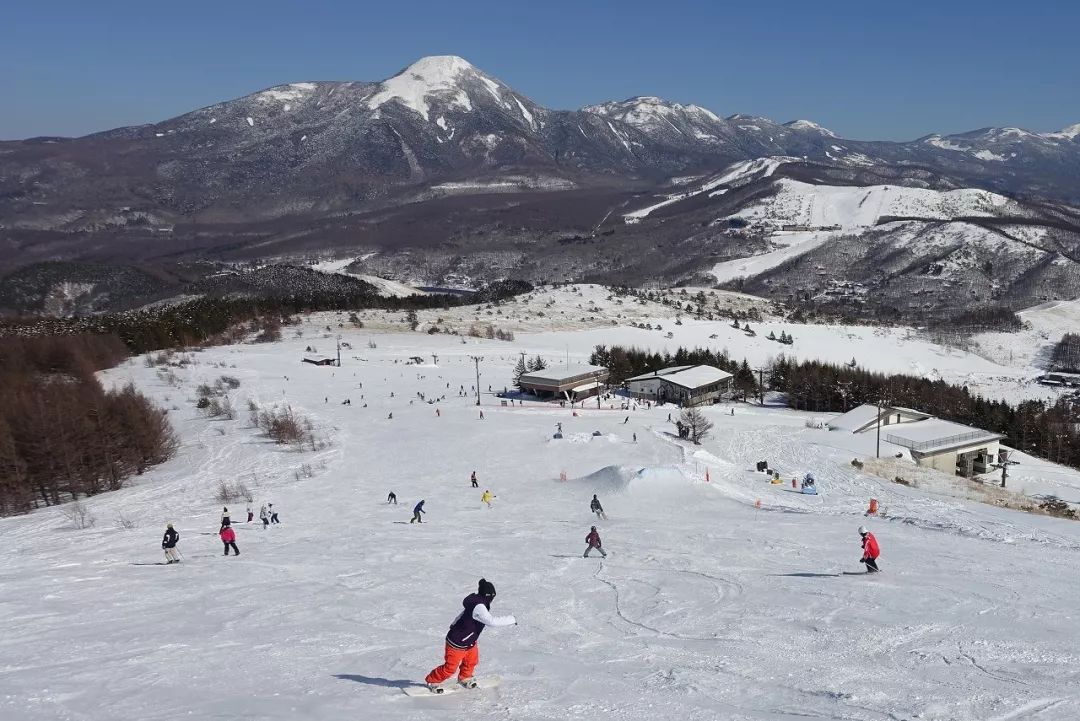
(416, 511)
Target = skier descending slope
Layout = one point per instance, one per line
(168, 543)
(595, 507)
(870, 550)
(228, 537)
(416, 511)
(462, 653)
(593, 539)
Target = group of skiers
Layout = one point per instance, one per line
(226, 533)
(418, 510)
(461, 654)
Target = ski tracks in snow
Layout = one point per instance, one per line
(678, 600)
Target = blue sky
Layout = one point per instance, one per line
(870, 70)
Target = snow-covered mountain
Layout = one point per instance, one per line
(811, 126)
(328, 147)
(448, 171)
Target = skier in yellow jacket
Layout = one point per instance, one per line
(486, 498)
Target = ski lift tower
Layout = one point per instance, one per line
(1003, 464)
(880, 402)
(476, 359)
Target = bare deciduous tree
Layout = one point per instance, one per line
(698, 425)
(79, 515)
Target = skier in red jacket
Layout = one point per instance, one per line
(870, 550)
(228, 537)
(593, 539)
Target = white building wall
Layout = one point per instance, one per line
(946, 461)
(647, 387)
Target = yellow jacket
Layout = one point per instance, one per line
(486, 498)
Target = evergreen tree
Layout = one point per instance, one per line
(519, 370)
(744, 380)
(778, 373)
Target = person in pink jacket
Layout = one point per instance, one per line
(228, 537)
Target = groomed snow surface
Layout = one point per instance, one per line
(706, 607)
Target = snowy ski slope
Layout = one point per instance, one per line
(706, 608)
(583, 316)
(858, 207)
(824, 212)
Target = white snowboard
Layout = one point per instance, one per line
(451, 687)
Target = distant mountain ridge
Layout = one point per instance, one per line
(442, 174)
(321, 147)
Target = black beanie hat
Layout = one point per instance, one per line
(486, 588)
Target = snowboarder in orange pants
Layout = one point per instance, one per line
(462, 654)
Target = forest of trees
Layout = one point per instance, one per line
(1066, 358)
(62, 435)
(196, 321)
(1051, 431)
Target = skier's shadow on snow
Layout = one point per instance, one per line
(376, 681)
(806, 574)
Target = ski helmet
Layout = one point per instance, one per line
(863, 531)
(486, 588)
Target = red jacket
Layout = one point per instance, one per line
(228, 535)
(869, 546)
(593, 539)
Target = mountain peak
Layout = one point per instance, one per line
(645, 110)
(438, 65)
(1070, 133)
(434, 76)
(809, 125)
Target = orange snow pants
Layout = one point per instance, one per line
(454, 657)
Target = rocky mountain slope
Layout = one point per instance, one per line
(442, 174)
